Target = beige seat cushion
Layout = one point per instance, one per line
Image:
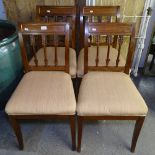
(102, 58)
(42, 93)
(61, 58)
(109, 93)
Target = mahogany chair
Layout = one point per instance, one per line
(97, 14)
(107, 92)
(45, 91)
(60, 14)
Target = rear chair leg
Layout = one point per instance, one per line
(17, 130)
(80, 126)
(138, 126)
(73, 132)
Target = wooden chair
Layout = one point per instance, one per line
(45, 92)
(109, 95)
(61, 14)
(97, 14)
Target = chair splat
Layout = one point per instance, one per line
(108, 30)
(44, 32)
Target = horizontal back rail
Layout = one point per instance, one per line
(102, 11)
(110, 28)
(43, 10)
(43, 28)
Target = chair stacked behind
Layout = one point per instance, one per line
(99, 14)
(59, 14)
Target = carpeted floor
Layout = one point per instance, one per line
(99, 138)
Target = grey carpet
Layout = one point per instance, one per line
(99, 138)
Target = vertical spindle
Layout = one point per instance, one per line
(32, 39)
(120, 42)
(45, 51)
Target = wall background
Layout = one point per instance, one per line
(24, 10)
(2, 10)
(148, 36)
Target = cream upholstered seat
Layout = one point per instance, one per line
(43, 93)
(102, 58)
(109, 94)
(60, 56)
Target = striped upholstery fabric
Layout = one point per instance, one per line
(42, 93)
(109, 94)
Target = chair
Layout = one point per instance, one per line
(98, 14)
(107, 92)
(60, 14)
(45, 91)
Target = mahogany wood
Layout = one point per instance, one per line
(17, 130)
(73, 132)
(138, 126)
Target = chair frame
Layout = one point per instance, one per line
(110, 29)
(34, 29)
(56, 11)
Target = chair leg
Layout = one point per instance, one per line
(80, 126)
(152, 62)
(138, 126)
(73, 132)
(17, 130)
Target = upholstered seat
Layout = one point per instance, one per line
(60, 56)
(41, 93)
(109, 94)
(102, 58)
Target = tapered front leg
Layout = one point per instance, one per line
(80, 126)
(73, 132)
(17, 130)
(138, 126)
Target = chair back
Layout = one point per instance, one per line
(98, 14)
(59, 14)
(109, 30)
(32, 33)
